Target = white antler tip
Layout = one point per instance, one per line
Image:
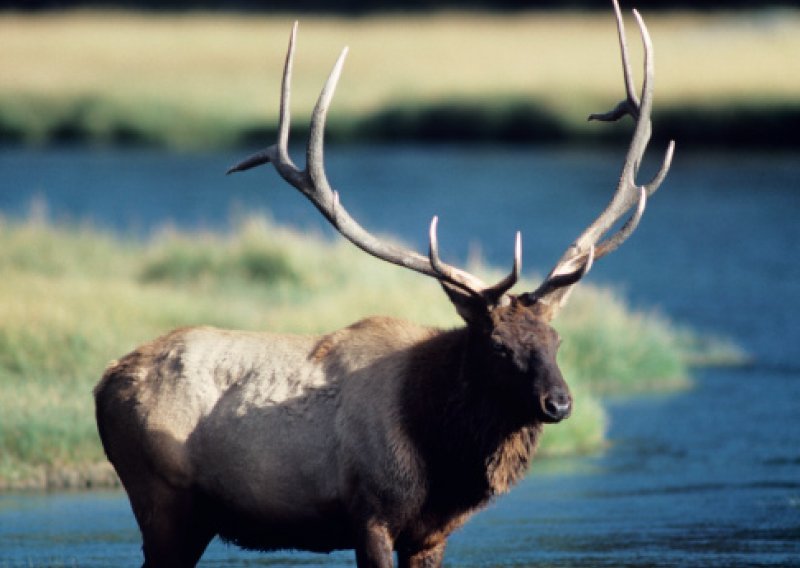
(432, 232)
(340, 62)
(643, 29)
(433, 247)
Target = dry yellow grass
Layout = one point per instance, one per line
(229, 65)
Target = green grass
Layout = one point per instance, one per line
(199, 79)
(74, 298)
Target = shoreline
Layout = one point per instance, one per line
(749, 126)
(44, 478)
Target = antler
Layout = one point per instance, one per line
(578, 258)
(313, 183)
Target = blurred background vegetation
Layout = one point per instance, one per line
(362, 6)
(195, 74)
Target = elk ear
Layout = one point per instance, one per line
(472, 308)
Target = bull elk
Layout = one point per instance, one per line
(383, 436)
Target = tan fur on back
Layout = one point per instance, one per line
(276, 411)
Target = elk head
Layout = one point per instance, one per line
(512, 344)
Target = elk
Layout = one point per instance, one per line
(384, 436)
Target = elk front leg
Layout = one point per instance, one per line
(426, 558)
(374, 546)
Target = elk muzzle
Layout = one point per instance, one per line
(556, 405)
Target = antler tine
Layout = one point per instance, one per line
(467, 281)
(494, 293)
(561, 278)
(278, 153)
(655, 183)
(463, 280)
(316, 138)
(560, 281)
(612, 243)
(629, 105)
(313, 183)
(284, 116)
(630, 87)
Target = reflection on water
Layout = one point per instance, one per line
(709, 477)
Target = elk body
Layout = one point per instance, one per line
(383, 436)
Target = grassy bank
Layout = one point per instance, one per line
(212, 79)
(72, 299)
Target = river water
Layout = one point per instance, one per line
(708, 477)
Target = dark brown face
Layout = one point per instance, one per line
(514, 349)
(521, 353)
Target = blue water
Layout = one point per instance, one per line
(709, 477)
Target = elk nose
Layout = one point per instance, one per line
(557, 406)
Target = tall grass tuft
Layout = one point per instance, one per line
(245, 258)
(74, 298)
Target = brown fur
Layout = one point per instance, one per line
(381, 436)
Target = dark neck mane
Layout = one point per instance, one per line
(472, 437)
